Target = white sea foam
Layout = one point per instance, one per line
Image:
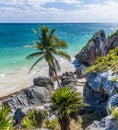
(2, 75)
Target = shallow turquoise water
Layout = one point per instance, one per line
(13, 38)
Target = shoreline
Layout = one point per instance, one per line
(14, 82)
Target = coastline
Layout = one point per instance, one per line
(17, 81)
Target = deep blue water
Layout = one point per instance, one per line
(13, 38)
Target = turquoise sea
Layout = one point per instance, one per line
(15, 37)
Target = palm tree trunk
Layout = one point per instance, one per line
(56, 74)
(57, 77)
(51, 71)
(64, 122)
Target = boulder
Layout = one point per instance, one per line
(93, 49)
(43, 81)
(68, 80)
(107, 123)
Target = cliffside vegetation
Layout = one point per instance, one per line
(104, 63)
(90, 41)
(113, 34)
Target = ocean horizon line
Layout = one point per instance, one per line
(59, 23)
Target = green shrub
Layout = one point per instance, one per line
(112, 109)
(113, 34)
(114, 79)
(115, 113)
(51, 124)
(5, 120)
(102, 64)
(29, 120)
(90, 41)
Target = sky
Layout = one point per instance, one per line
(58, 11)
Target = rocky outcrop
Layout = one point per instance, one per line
(93, 49)
(100, 91)
(97, 46)
(99, 87)
(28, 98)
(107, 123)
(112, 42)
(32, 96)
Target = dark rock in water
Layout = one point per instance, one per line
(43, 81)
(28, 98)
(69, 80)
(93, 49)
(107, 123)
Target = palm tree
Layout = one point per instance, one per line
(48, 46)
(65, 101)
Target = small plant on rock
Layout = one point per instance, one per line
(5, 120)
(115, 113)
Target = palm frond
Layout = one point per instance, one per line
(63, 54)
(61, 45)
(36, 63)
(39, 46)
(51, 35)
(33, 55)
(36, 33)
(65, 100)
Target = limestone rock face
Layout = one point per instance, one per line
(28, 98)
(111, 43)
(32, 96)
(99, 87)
(97, 46)
(112, 102)
(93, 49)
(107, 123)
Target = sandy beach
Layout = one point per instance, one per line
(16, 81)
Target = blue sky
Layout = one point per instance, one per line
(47, 11)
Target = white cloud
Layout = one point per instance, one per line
(34, 11)
(70, 1)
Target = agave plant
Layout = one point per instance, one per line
(5, 120)
(65, 101)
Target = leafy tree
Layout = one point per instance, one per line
(48, 46)
(65, 101)
(5, 120)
